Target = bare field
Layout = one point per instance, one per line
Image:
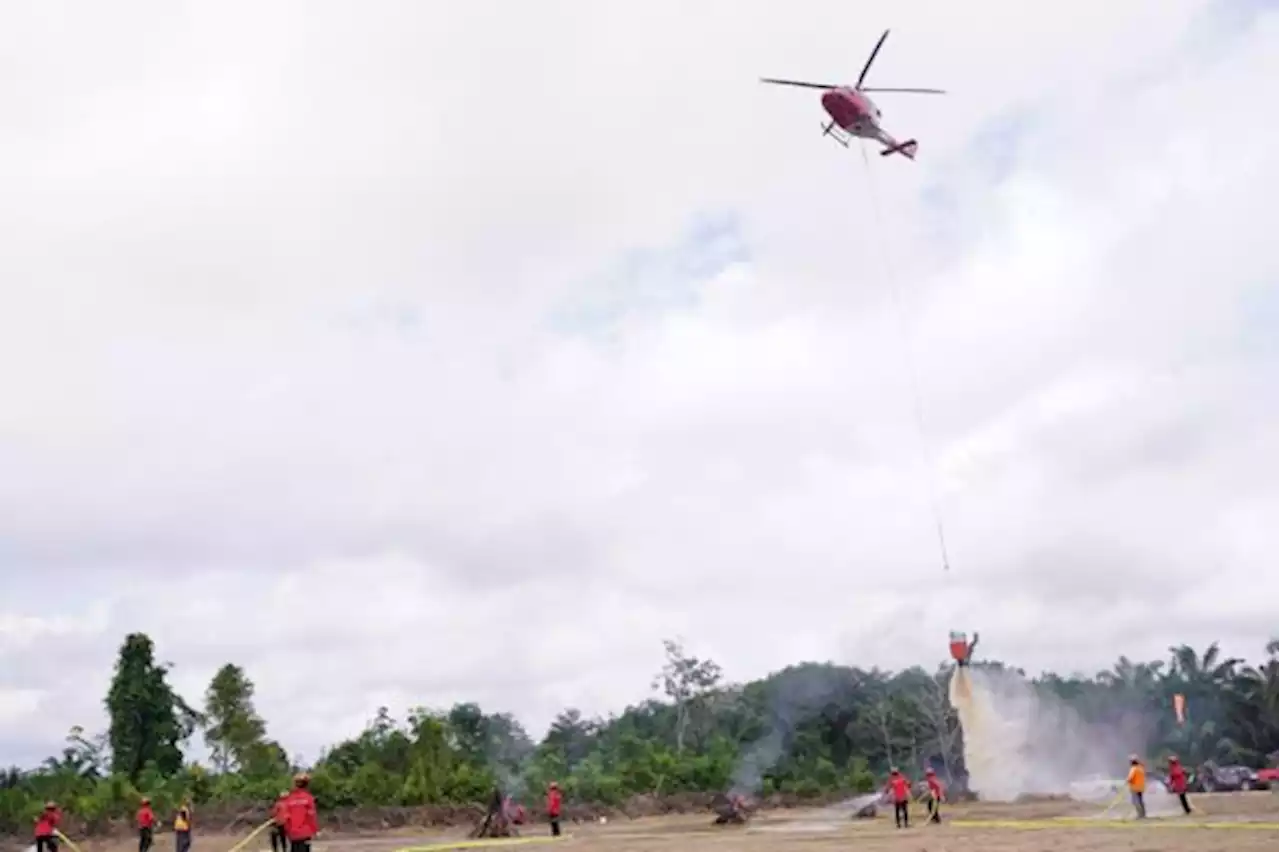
(1020, 828)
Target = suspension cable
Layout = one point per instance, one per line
(909, 354)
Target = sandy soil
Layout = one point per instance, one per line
(973, 828)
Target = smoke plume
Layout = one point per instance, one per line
(795, 694)
(1021, 741)
(759, 757)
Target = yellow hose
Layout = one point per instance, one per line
(252, 834)
(487, 843)
(67, 840)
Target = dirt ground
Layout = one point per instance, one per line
(1232, 823)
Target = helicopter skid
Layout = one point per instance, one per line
(836, 133)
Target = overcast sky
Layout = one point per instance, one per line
(406, 357)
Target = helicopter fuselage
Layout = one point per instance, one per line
(853, 112)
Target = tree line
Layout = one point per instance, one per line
(810, 730)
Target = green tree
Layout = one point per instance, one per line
(495, 745)
(235, 733)
(810, 729)
(686, 680)
(469, 728)
(571, 737)
(82, 757)
(149, 721)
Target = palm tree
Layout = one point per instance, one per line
(1209, 682)
(1208, 669)
(1254, 706)
(1131, 677)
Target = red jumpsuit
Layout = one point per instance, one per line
(46, 830)
(553, 809)
(146, 827)
(300, 819)
(935, 797)
(900, 788)
(1178, 784)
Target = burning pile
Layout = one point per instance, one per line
(731, 809)
(864, 807)
(501, 819)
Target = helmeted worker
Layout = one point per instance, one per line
(47, 828)
(301, 822)
(146, 819)
(182, 829)
(899, 789)
(1137, 782)
(1178, 782)
(279, 816)
(935, 794)
(554, 803)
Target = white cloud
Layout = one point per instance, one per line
(326, 348)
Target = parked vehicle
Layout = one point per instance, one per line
(1269, 777)
(1211, 778)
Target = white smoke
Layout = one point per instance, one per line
(795, 694)
(759, 758)
(1018, 741)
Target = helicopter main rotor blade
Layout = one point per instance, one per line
(801, 83)
(870, 59)
(910, 91)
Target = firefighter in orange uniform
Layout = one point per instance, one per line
(1137, 781)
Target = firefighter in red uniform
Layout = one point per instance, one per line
(935, 794)
(300, 823)
(279, 816)
(1178, 782)
(146, 824)
(553, 808)
(899, 788)
(47, 828)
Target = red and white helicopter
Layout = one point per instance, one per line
(853, 114)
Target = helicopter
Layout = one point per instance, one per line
(853, 114)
